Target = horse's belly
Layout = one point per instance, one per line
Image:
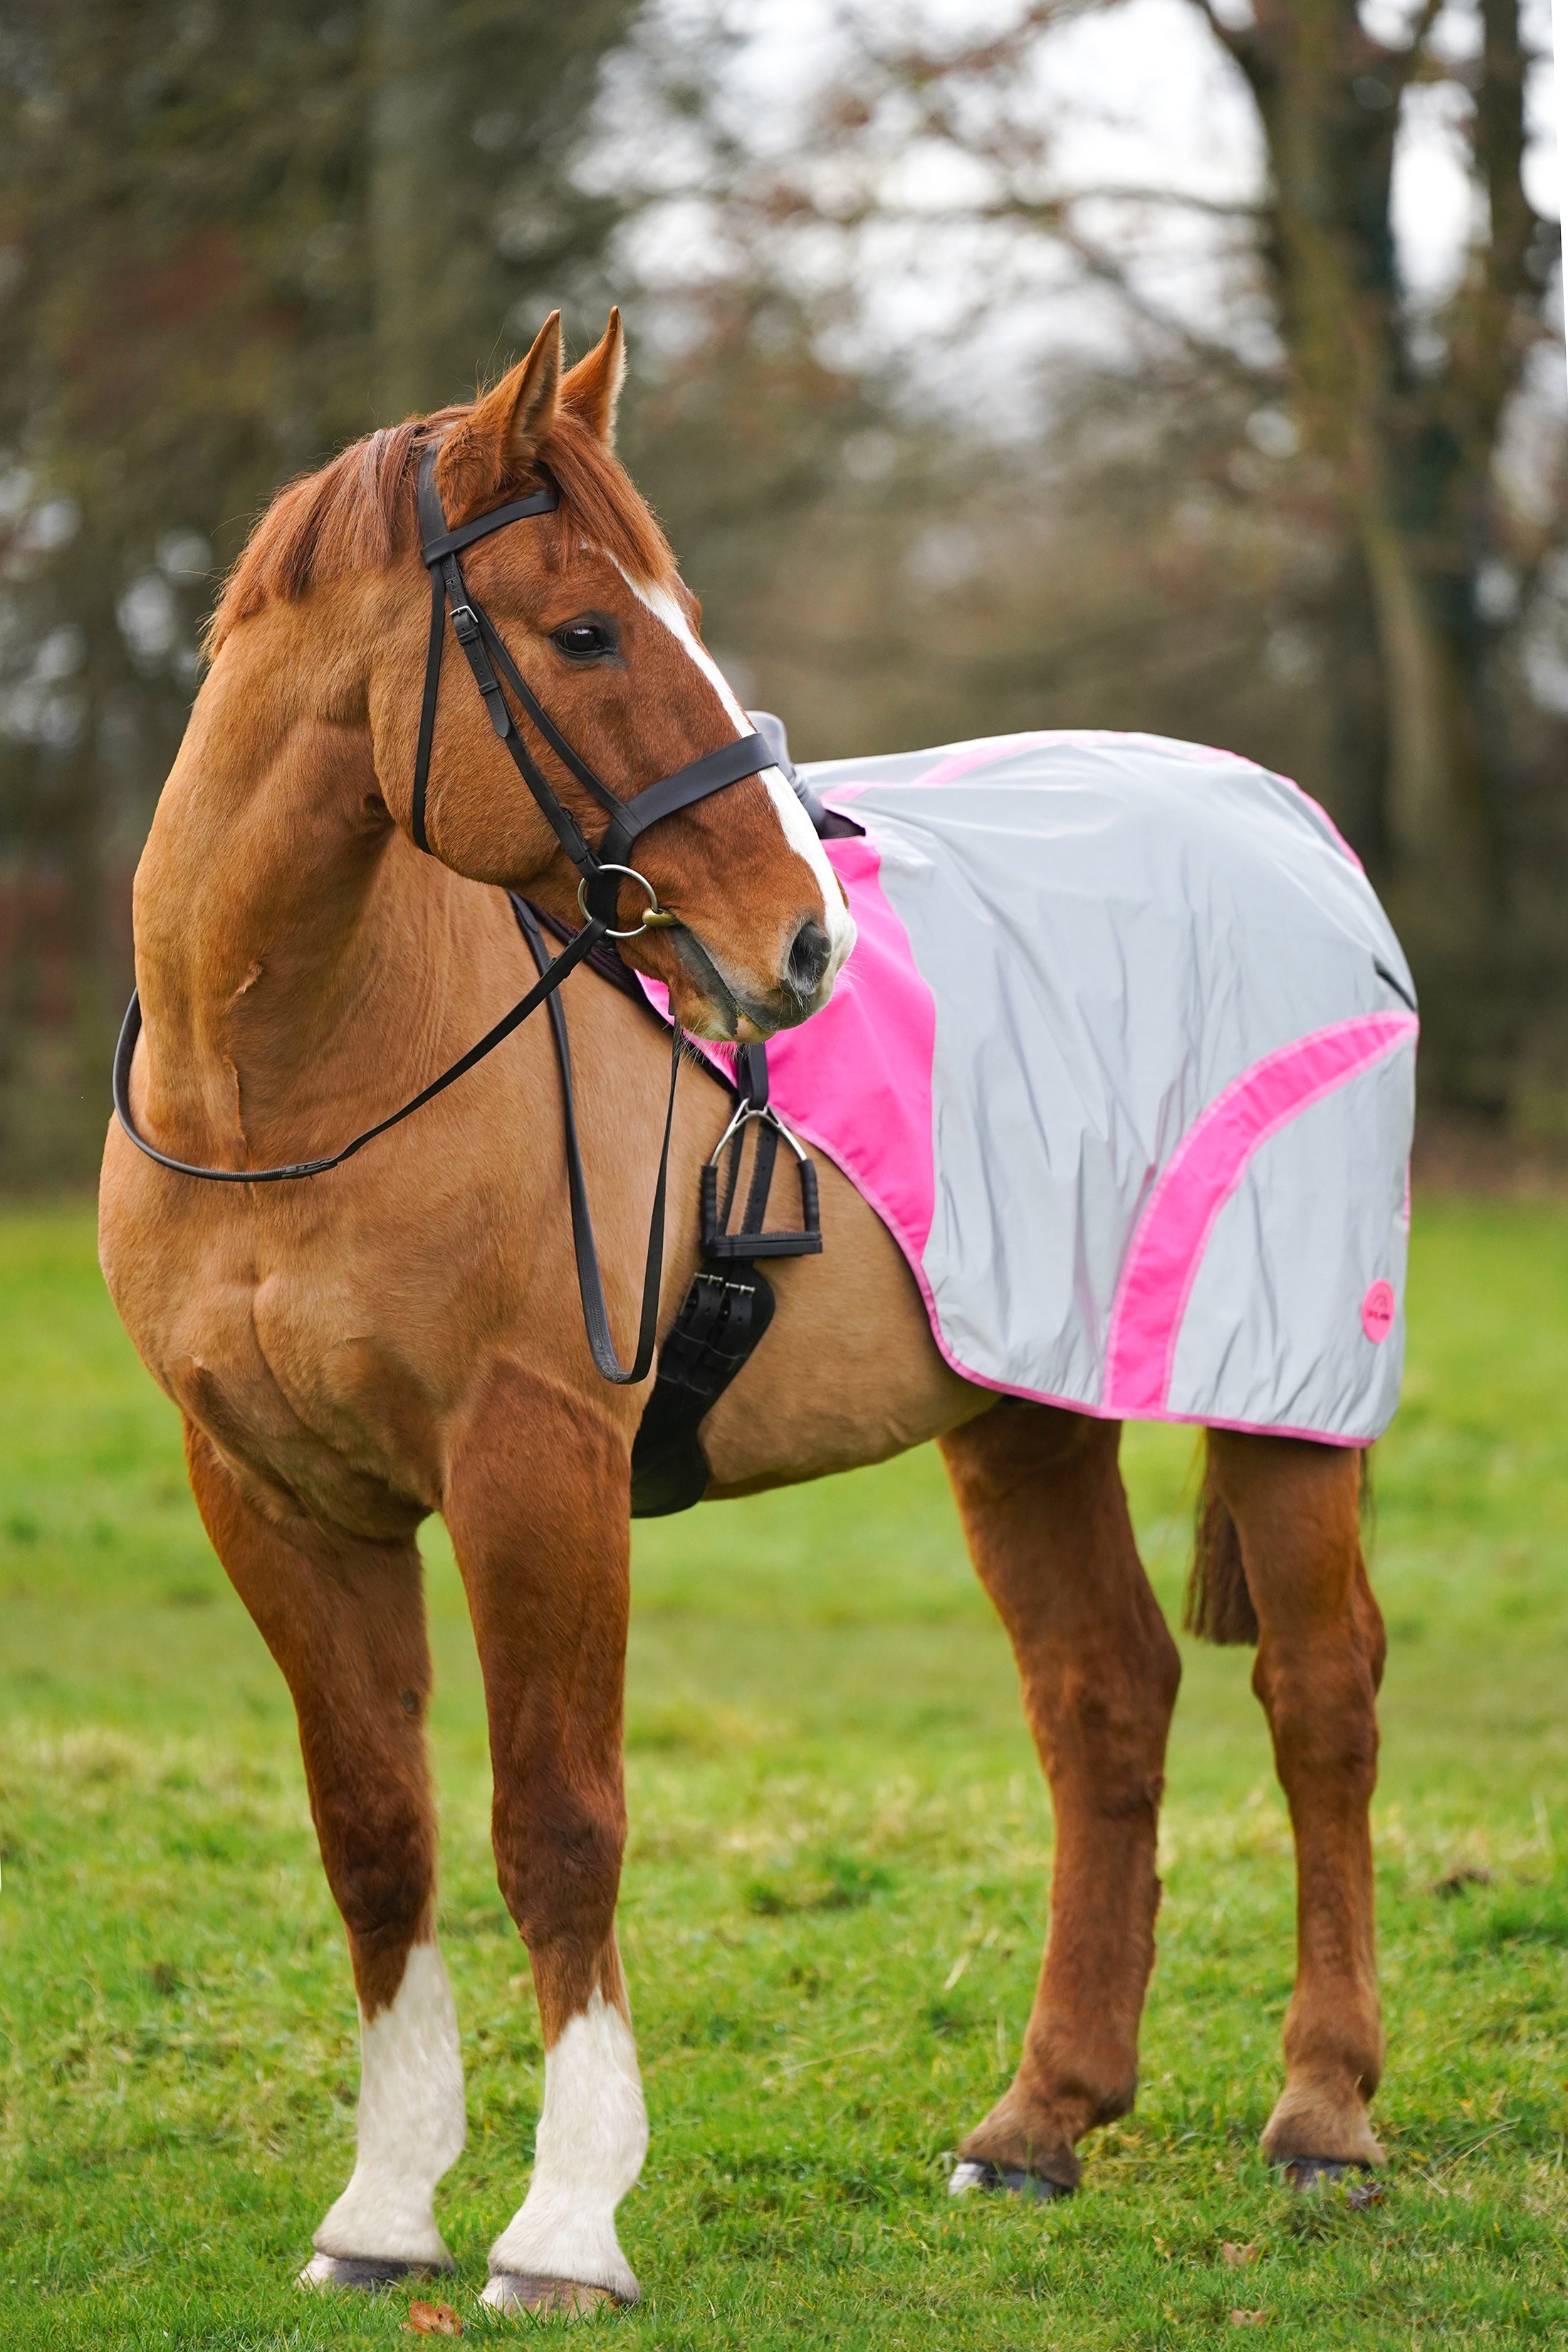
(848, 1373)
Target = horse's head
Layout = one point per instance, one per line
(593, 612)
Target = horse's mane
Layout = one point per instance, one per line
(356, 514)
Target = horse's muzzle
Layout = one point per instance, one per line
(750, 1014)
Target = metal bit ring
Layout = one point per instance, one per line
(654, 917)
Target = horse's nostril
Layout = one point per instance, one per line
(807, 959)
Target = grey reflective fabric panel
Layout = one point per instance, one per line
(1266, 1339)
(1115, 929)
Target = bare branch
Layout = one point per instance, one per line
(916, 67)
(1048, 214)
(1409, 61)
(1106, 270)
(1220, 207)
(1430, 12)
(1231, 35)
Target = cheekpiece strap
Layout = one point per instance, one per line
(491, 662)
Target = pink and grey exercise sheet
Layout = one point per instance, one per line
(1124, 1059)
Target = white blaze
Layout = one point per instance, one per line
(411, 2123)
(592, 2136)
(798, 829)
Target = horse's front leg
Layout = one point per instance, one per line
(344, 1618)
(1320, 1661)
(537, 1504)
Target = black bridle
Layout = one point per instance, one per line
(603, 871)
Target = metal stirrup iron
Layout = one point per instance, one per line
(727, 1312)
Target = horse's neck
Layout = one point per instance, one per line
(281, 928)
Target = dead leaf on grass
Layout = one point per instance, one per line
(1235, 2258)
(1247, 2319)
(1455, 1881)
(432, 2319)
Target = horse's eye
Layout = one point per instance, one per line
(584, 640)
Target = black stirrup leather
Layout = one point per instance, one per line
(603, 872)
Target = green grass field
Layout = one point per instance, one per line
(833, 1904)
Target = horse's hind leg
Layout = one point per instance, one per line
(1295, 1506)
(537, 1501)
(345, 1620)
(1046, 1516)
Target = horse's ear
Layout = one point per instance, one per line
(500, 437)
(593, 390)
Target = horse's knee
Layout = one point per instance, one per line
(1370, 1633)
(381, 1865)
(1108, 1731)
(1323, 1712)
(559, 1866)
(1157, 1663)
(380, 1861)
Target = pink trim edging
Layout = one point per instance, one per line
(869, 1193)
(1203, 1171)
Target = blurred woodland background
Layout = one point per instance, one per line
(1193, 365)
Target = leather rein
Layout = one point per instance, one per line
(603, 871)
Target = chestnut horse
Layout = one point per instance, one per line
(404, 1336)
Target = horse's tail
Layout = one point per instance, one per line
(1219, 1606)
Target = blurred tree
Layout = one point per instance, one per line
(234, 234)
(1406, 406)
(1329, 525)
(1413, 538)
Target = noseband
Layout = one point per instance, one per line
(602, 873)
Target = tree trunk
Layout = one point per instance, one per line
(1411, 452)
(1419, 797)
(415, 267)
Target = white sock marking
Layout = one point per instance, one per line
(592, 2136)
(798, 827)
(411, 2123)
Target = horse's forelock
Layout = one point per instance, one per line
(603, 505)
(356, 514)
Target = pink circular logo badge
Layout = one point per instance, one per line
(1378, 1311)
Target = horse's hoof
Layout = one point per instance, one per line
(1307, 2172)
(1032, 2187)
(508, 2291)
(373, 2274)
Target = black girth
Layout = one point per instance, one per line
(603, 872)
